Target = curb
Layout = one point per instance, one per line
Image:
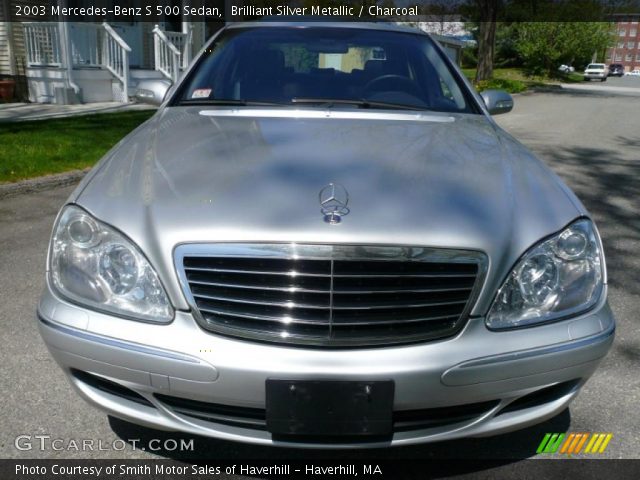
(42, 183)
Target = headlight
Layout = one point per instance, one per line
(92, 264)
(559, 277)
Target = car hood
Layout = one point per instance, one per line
(236, 175)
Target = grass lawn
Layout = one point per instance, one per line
(515, 80)
(40, 147)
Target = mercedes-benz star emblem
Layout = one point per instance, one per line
(333, 203)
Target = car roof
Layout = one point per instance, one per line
(313, 22)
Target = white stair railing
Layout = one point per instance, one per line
(42, 41)
(182, 42)
(91, 45)
(166, 55)
(115, 57)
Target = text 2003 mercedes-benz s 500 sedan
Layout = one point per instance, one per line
(323, 239)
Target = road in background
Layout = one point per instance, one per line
(591, 140)
(628, 85)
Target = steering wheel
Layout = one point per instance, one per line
(391, 82)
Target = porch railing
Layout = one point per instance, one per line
(90, 45)
(182, 42)
(42, 41)
(166, 55)
(115, 56)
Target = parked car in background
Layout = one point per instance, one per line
(323, 239)
(633, 73)
(596, 71)
(616, 70)
(566, 68)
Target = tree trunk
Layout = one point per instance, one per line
(486, 38)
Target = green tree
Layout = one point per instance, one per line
(543, 46)
(506, 54)
(495, 24)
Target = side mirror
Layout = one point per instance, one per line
(152, 91)
(497, 101)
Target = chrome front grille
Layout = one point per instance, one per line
(332, 295)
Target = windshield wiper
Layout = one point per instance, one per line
(227, 102)
(330, 102)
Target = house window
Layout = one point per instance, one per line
(631, 45)
(628, 57)
(618, 57)
(637, 57)
(633, 32)
(620, 44)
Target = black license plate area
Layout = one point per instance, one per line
(329, 407)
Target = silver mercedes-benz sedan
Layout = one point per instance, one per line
(322, 239)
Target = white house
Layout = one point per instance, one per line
(70, 62)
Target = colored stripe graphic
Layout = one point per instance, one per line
(567, 443)
(598, 443)
(572, 443)
(550, 443)
(581, 443)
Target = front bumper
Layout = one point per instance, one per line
(595, 75)
(474, 384)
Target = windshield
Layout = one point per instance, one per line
(325, 67)
(596, 66)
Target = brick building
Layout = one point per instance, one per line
(626, 48)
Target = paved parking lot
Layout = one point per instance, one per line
(626, 85)
(591, 139)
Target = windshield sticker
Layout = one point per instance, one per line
(201, 93)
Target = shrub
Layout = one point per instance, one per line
(511, 86)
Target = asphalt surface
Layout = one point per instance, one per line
(626, 85)
(590, 138)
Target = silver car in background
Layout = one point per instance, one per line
(322, 239)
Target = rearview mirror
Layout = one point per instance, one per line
(497, 101)
(152, 91)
